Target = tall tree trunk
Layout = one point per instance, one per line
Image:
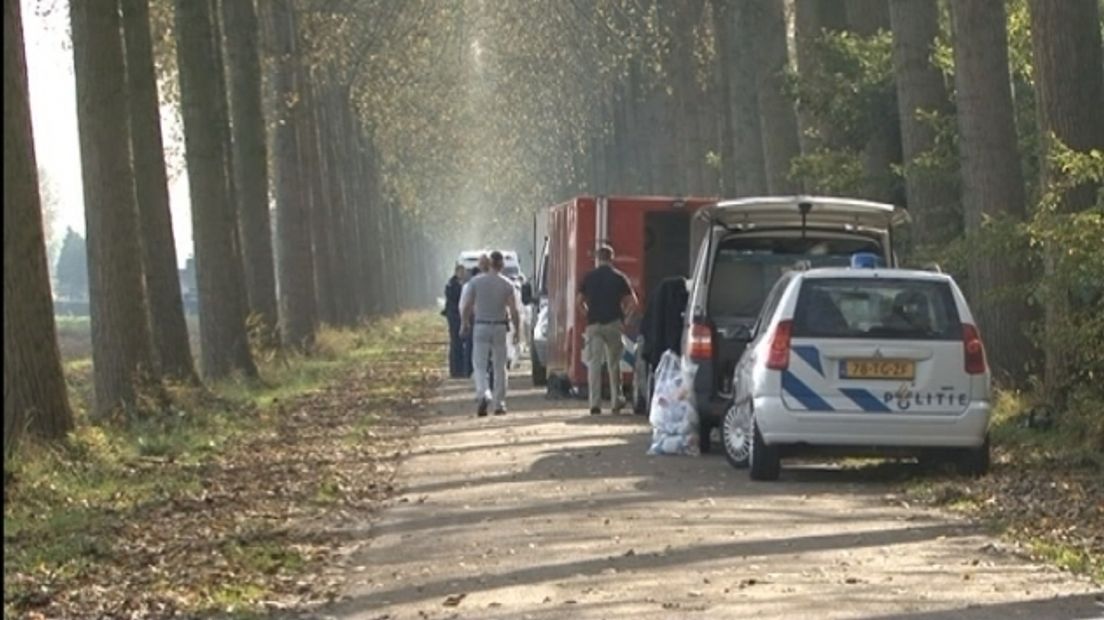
(224, 343)
(992, 180)
(250, 157)
(122, 348)
(932, 198)
(747, 133)
(883, 146)
(1066, 46)
(811, 19)
(778, 120)
(151, 185)
(35, 397)
(320, 208)
(295, 257)
(722, 41)
(866, 17)
(682, 18)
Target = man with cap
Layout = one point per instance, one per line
(488, 307)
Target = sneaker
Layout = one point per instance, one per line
(500, 411)
(483, 404)
(595, 411)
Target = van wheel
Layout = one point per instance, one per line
(736, 436)
(764, 461)
(974, 462)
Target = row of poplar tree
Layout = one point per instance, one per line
(344, 250)
(973, 113)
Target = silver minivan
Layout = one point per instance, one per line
(742, 247)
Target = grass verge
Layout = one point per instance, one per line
(1045, 491)
(216, 506)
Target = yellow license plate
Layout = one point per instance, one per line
(878, 369)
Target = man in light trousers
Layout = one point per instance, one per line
(487, 301)
(606, 297)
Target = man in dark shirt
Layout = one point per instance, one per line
(457, 367)
(604, 294)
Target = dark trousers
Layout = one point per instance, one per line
(458, 367)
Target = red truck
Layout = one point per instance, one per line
(650, 236)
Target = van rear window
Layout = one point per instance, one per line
(883, 308)
(745, 268)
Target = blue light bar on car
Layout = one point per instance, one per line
(865, 260)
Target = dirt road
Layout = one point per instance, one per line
(551, 513)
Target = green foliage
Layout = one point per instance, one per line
(88, 511)
(832, 172)
(1070, 241)
(72, 267)
(850, 88)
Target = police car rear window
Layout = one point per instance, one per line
(883, 308)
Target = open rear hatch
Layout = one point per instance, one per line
(808, 211)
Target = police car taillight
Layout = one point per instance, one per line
(701, 342)
(973, 349)
(778, 357)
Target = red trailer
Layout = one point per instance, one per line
(650, 236)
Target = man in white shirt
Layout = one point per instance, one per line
(488, 306)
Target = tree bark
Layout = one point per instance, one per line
(310, 152)
(866, 17)
(778, 120)
(811, 19)
(992, 180)
(883, 146)
(295, 259)
(35, 396)
(1066, 49)
(250, 157)
(122, 349)
(224, 343)
(747, 134)
(932, 198)
(151, 185)
(682, 19)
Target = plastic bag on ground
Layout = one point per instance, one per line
(674, 416)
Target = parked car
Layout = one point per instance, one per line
(742, 248)
(861, 361)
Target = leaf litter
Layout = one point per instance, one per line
(261, 530)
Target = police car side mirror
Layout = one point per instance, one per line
(527, 293)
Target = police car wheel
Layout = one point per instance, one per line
(764, 461)
(736, 436)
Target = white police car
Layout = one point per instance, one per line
(860, 360)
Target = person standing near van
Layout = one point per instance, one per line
(607, 298)
(488, 307)
(457, 364)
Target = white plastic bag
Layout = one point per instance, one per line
(674, 416)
